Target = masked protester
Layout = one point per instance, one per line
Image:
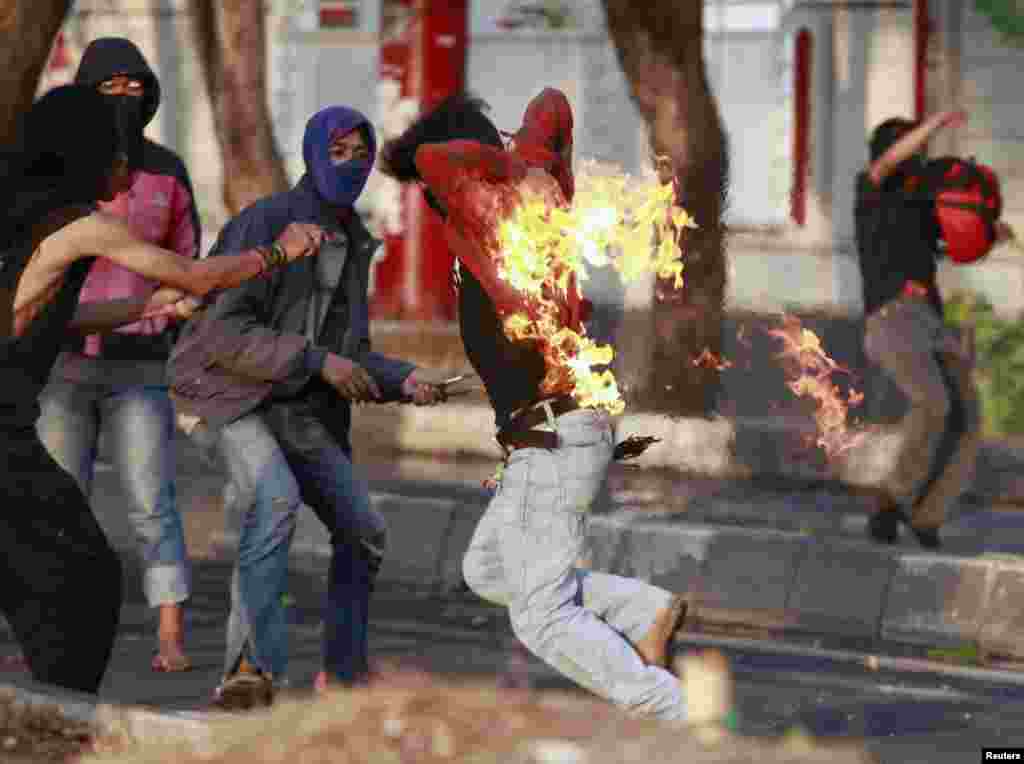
(116, 381)
(60, 581)
(266, 377)
(609, 634)
(898, 246)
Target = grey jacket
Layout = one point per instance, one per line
(250, 344)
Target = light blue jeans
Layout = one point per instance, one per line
(277, 460)
(524, 555)
(139, 422)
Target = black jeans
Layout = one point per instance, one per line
(60, 580)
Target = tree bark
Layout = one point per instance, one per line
(27, 30)
(231, 39)
(660, 47)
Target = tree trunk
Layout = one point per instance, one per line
(660, 47)
(231, 38)
(27, 29)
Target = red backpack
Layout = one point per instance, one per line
(967, 205)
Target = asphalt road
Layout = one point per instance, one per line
(904, 711)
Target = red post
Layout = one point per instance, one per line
(391, 269)
(445, 32)
(801, 125)
(413, 279)
(922, 32)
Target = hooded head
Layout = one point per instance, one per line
(545, 139)
(54, 167)
(108, 57)
(338, 184)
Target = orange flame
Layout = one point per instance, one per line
(708, 360)
(632, 224)
(812, 379)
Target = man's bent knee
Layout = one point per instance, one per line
(482, 582)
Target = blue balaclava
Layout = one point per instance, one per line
(338, 184)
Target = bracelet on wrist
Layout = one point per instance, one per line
(265, 255)
(278, 256)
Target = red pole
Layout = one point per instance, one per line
(390, 270)
(801, 125)
(922, 31)
(443, 45)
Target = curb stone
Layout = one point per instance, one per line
(837, 587)
(760, 578)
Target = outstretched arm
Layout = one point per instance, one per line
(106, 236)
(911, 143)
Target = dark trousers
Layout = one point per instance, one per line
(322, 465)
(60, 580)
(942, 428)
(282, 457)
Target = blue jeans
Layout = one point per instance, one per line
(278, 459)
(140, 425)
(524, 555)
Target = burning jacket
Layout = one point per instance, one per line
(481, 186)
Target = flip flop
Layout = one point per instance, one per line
(164, 665)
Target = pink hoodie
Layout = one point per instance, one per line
(160, 209)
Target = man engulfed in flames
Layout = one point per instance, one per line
(523, 234)
(544, 250)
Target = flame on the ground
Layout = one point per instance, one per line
(631, 223)
(709, 360)
(811, 370)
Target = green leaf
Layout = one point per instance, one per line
(1006, 17)
(966, 653)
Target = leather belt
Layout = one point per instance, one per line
(510, 441)
(519, 433)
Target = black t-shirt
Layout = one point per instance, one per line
(26, 361)
(510, 371)
(897, 241)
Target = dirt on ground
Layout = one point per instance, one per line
(414, 718)
(34, 734)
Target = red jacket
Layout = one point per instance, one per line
(480, 186)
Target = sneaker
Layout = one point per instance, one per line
(884, 524)
(928, 538)
(246, 689)
(884, 527)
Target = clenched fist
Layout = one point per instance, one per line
(350, 379)
(301, 240)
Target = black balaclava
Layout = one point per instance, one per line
(108, 57)
(64, 156)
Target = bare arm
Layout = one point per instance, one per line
(106, 236)
(911, 143)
